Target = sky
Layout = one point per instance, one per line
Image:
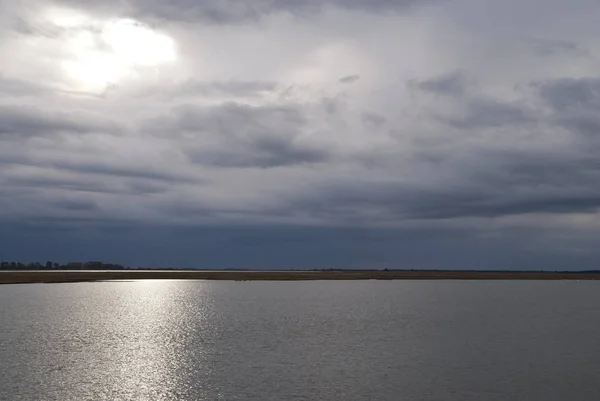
(276, 134)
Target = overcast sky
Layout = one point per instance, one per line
(287, 134)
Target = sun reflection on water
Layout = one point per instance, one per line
(153, 334)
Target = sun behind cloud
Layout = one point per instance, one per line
(137, 44)
(113, 51)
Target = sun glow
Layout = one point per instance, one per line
(113, 51)
(135, 44)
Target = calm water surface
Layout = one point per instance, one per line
(366, 340)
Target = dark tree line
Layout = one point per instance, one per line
(49, 265)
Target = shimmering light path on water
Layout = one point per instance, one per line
(359, 340)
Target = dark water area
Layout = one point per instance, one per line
(335, 340)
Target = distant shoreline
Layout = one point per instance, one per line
(49, 276)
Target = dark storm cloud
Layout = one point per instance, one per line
(76, 205)
(496, 182)
(140, 172)
(10, 87)
(493, 181)
(349, 79)
(461, 205)
(75, 176)
(331, 105)
(84, 183)
(26, 26)
(236, 88)
(585, 123)
(487, 196)
(574, 103)
(453, 84)
(239, 135)
(262, 152)
(546, 47)
(239, 120)
(236, 11)
(571, 93)
(488, 113)
(78, 185)
(30, 121)
(369, 117)
(487, 181)
(279, 247)
(148, 187)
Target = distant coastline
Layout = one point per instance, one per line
(62, 276)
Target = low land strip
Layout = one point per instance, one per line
(45, 276)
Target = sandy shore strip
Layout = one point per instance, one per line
(49, 276)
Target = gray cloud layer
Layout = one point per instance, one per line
(411, 120)
(235, 11)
